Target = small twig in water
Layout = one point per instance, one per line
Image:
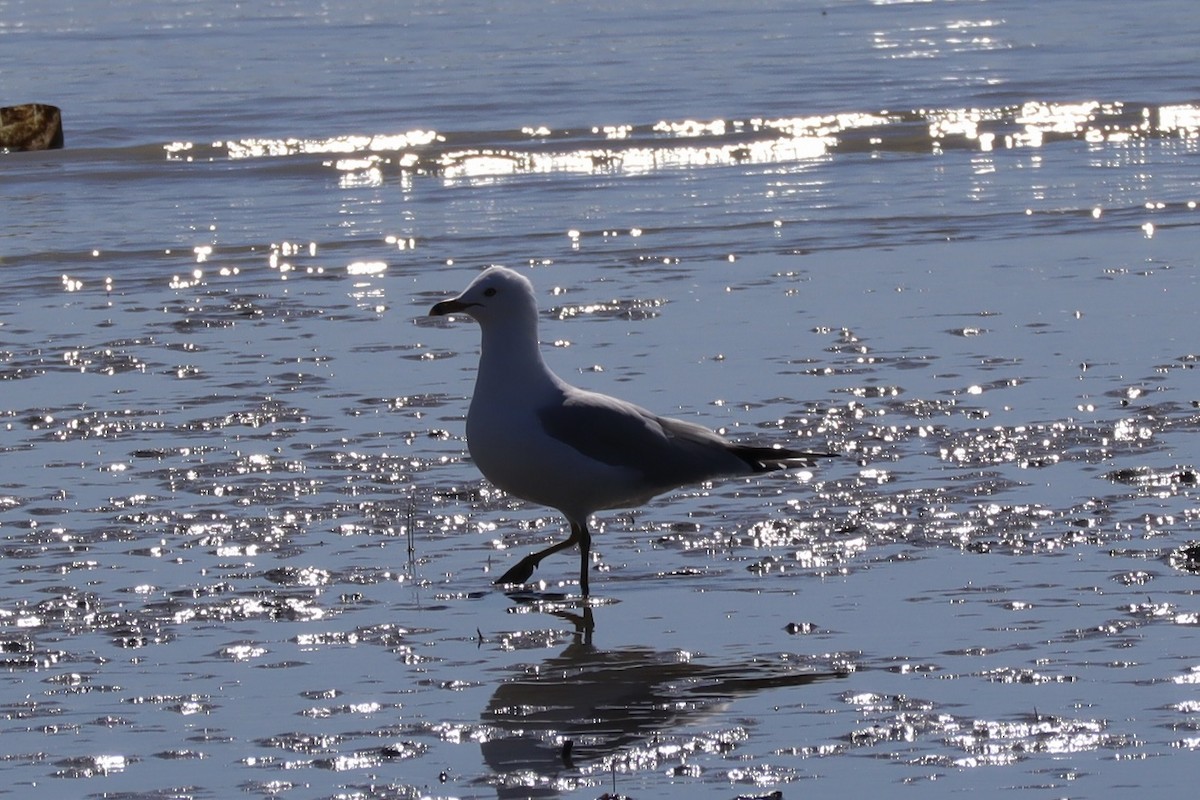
(410, 519)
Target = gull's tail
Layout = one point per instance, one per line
(767, 459)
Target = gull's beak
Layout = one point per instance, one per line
(449, 307)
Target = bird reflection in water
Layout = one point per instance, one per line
(589, 712)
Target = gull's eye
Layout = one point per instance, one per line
(490, 292)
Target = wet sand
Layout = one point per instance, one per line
(248, 554)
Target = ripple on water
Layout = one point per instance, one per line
(91, 766)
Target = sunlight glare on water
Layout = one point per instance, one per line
(246, 551)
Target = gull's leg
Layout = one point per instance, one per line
(523, 569)
(585, 549)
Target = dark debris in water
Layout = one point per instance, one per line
(1186, 558)
(1178, 477)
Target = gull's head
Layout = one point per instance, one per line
(498, 293)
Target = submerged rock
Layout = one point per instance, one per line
(32, 126)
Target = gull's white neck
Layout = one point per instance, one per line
(510, 359)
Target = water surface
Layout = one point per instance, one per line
(245, 551)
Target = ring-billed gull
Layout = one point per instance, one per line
(538, 438)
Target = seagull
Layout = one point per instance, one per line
(536, 437)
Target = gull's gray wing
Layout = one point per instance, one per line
(666, 452)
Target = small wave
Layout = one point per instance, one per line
(633, 149)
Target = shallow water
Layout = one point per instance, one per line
(244, 549)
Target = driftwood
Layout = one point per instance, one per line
(32, 126)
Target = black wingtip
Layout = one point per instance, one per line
(768, 459)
